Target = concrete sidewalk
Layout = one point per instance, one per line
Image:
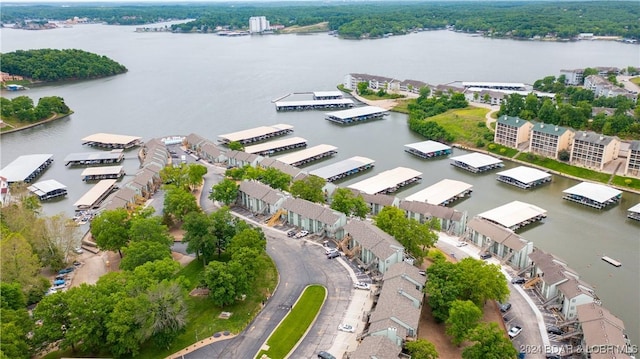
(202, 343)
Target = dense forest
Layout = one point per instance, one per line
(21, 108)
(524, 20)
(57, 65)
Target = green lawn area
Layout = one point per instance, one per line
(629, 182)
(387, 96)
(635, 80)
(565, 168)
(344, 89)
(466, 124)
(403, 106)
(502, 150)
(296, 323)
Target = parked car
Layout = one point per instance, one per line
(59, 282)
(461, 244)
(58, 287)
(302, 234)
(362, 285)
(485, 256)
(423, 273)
(518, 280)
(291, 233)
(554, 330)
(552, 356)
(346, 328)
(66, 270)
(504, 307)
(514, 331)
(60, 277)
(325, 355)
(333, 255)
(328, 251)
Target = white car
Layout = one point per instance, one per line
(461, 244)
(362, 285)
(302, 234)
(346, 328)
(514, 331)
(330, 250)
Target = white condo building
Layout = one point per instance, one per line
(258, 24)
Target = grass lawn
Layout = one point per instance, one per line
(466, 124)
(296, 323)
(635, 80)
(565, 168)
(403, 106)
(344, 89)
(502, 150)
(387, 96)
(629, 182)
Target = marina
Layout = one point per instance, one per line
(308, 155)
(442, 193)
(514, 215)
(634, 212)
(357, 114)
(256, 134)
(100, 173)
(26, 168)
(388, 181)
(314, 104)
(344, 168)
(272, 147)
(524, 177)
(95, 196)
(593, 195)
(49, 189)
(428, 149)
(327, 95)
(94, 158)
(476, 162)
(111, 141)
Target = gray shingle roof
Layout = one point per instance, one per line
(431, 210)
(376, 346)
(311, 210)
(393, 305)
(381, 199)
(195, 139)
(404, 269)
(592, 137)
(497, 233)
(274, 163)
(373, 238)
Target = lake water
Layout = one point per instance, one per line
(210, 85)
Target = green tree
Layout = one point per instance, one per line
(252, 238)
(513, 106)
(309, 188)
(482, 281)
(547, 112)
(421, 349)
(178, 202)
(416, 237)
(226, 192)
(18, 264)
(222, 227)
(490, 342)
(11, 296)
(198, 236)
(124, 327)
(276, 178)
(88, 311)
(363, 88)
(195, 174)
(221, 284)
(166, 314)
(463, 317)
(236, 146)
(564, 155)
(110, 229)
(149, 229)
(343, 200)
(141, 252)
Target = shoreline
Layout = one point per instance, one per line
(51, 119)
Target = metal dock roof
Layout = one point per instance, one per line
(385, 180)
(94, 156)
(355, 112)
(23, 166)
(513, 213)
(335, 102)
(596, 192)
(97, 171)
(109, 138)
(272, 145)
(306, 154)
(525, 174)
(635, 208)
(337, 168)
(428, 146)
(92, 196)
(477, 160)
(327, 94)
(43, 187)
(440, 192)
(254, 132)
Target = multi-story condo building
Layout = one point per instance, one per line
(258, 24)
(632, 167)
(594, 150)
(572, 77)
(601, 87)
(512, 131)
(548, 140)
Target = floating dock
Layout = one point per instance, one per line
(428, 149)
(634, 212)
(442, 193)
(314, 104)
(100, 173)
(111, 141)
(342, 169)
(26, 168)
(308, 155)
(593, 195)
(524, 177)
(388, 181)
(257, 134)
(271, 147)
(327, 95)
(358, 114)
(611, 261)
(94, 158)
(49, 189)
(515, 215)
(95, 196)
(476, 162)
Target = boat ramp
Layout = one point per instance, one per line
(388, 181)
(26, 168)
(100, 173)
(593, 195)
(357, 114)
(634, 212)
(428, 149)
(308, 155)
(476, 162)
(524, 177)
(94, 158)
(271, 147)
(442, 193)
(256, 134)
(515, 215)
(305, 105)
(342, 169)
(49, 189)
(111, 141)
(95, 196)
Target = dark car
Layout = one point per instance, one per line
(333, 255)
(552, 356)
(554, 330)
(518, 280)
(66, 270)
(325, 355)
(485, 256)
(291, 233)
(505, 307)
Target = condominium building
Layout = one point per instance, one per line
(512, 131)
(594, 150)
(548, 140)
(258, 24)
(632, 167)
(572, 77)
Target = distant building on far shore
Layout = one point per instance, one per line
(258, 24)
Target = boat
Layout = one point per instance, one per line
(611, 261)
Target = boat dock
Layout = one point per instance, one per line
(26, 168)
(357, 114)
(49, 189)
(524, 177)
(634, 212)
(611, 261)
(95, 196)
(593, 195)
(314, 104)
(342, 169)
(94, 158)
(442, 193)
(111, 141)
(271, 147)
(428, 149)
(100, 173)
(327, 95)
(515, 215)
(256, 134)
(308, 155)
(388, 181)
(476, 162)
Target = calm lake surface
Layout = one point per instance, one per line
(210, 85)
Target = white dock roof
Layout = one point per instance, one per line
(306, 153)
(596, 192)
(255, 132)
(327, 93)
(477, 160)
(440, 192)
(339, 101)
(44, 187)
(23, 166)
(355, 112)
(111, 138)
(97, 191)
(337, 168)
(384, 180)
(513, 213)
(273, 144)
(525, 174)
(87, 156)
(106, 170)
(635, 208)
(428, 146)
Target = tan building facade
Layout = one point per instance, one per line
(548, 140)
(512, 131)
(632, 167)
(593, 150)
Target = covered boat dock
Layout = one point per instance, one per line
(388, 181)
(256, 134)
(428, 149)
(111, 141)
(95, 196)
(442, 193)
(308, 155)
(634, 212)
(26, 168)
(515, 215)
(476, 162)
(342, 169)
(94, 158)
(593, 195)
(357, 114)
(100, 173)
(271, 147)
(327, 95)
(524, 177)
(314, 104)
(48, 189)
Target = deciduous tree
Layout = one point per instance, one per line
(226, 191)
(110, 229)
(421, 349)
(490, 342)
(178, 202)
(463, 317)
(309, 188)
(141, 252)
